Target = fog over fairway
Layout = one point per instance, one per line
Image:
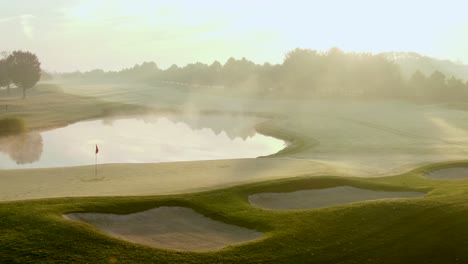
(233, 132)
(359, 138)
(343, 114)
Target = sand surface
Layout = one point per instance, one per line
(307, 199)
(449, 174)
(176, 228)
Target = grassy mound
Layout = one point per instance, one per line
(432, 229)
(11, 126)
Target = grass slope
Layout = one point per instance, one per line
(12, 126)
(423, 230)
(48, 107)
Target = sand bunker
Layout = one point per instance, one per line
(307, 199)
(176, 228)
(458, 173)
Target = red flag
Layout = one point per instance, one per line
(97, 149)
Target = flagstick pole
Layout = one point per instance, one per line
(95, 168)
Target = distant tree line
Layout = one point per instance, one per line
(410, 62)
(304, 73)
(20, 69)
(436, 87)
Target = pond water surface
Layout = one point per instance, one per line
(145, 139)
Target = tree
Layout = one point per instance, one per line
(214, 71)
(301, 71)
(437, 84)
(24, 69)
(4, 76)
(417, 84)
(236, 72)
(455, 89)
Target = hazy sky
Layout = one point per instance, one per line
(113, 34)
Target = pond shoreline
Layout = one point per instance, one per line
(151, 138)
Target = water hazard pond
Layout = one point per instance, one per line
(145, 139)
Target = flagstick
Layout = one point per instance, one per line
(95, 168)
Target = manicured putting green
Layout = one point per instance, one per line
(317, 198)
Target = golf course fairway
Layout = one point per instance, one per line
(348, 145)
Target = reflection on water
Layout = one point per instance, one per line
(148, 138)
(234, 126)
(22, 149)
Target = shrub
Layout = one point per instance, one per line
(12, 126)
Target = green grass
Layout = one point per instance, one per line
(423, 230)
(296, 143)
(432, 229)
(47, 106)
(12, 126)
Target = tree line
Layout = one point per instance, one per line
(436, 87)
(304, 73)
(410, 62)
(20, 69)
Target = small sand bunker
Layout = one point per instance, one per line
(307, 199)
(456, 173)
(176, 228)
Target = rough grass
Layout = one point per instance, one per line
(48, 107)
(12, 126)
(422, 230)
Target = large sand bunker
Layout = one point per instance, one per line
(176, 228)
(456, 173)
(307, 199)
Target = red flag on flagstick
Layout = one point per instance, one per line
(97, 149)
